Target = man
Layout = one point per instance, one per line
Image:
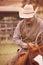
(29, 29)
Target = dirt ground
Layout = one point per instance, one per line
(6, 52)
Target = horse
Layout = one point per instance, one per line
(27, 56)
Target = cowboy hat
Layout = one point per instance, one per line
(27, 12)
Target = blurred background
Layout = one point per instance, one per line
(9, 18)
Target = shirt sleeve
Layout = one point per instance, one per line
(17, 37)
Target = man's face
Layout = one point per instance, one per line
(29, 19)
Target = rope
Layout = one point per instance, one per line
(39, 39)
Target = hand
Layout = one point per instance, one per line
(31, 45)
(25, 47)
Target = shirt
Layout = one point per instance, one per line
(17, 37)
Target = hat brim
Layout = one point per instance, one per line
(22, 15)
(26, 15)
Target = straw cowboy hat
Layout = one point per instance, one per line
(27, 12)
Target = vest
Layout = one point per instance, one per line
(29, 32)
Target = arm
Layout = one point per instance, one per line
(17, 37)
